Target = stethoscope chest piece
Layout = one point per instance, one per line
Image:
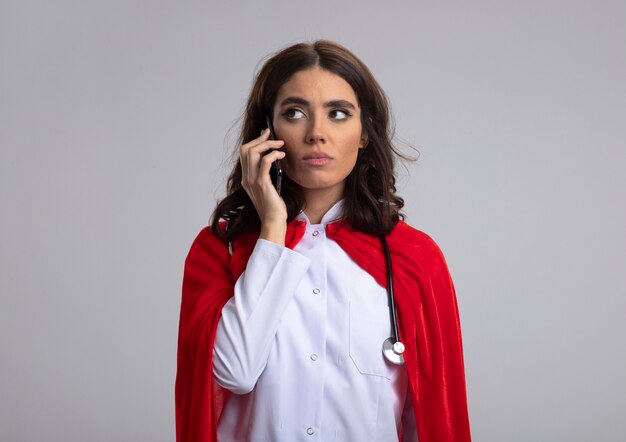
(393, 351)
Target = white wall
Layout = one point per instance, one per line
(113, 130)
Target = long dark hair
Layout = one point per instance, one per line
(370, 201)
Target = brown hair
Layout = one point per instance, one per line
(370, 202)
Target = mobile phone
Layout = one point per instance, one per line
(276, 171)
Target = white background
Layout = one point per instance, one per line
(114, 137)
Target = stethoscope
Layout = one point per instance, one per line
(393, 349)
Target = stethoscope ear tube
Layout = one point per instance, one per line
(393, 349)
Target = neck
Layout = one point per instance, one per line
(319, 201)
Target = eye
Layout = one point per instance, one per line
(339, 114)
(294, 114)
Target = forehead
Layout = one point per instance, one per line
(317, 85)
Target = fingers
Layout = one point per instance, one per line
(264, 136)
(257, 178)
(256, 158)
(252, 152)
(265, 133)
(266, 164)
(260, 144)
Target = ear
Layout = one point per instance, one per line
(363, 141)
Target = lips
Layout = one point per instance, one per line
(316, 155)
(317, 159)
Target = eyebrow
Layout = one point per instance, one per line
(303, 102)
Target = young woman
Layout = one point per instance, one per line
(286, 301)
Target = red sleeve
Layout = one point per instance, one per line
(207, 286)
(429, 322)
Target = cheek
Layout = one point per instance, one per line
(289, 163)
(351, 150)
(349, 162)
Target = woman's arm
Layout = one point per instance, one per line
(250, 319)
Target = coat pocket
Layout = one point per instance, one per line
(369, 327)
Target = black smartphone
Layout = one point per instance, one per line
(276, 171)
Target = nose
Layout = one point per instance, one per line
(315, 130)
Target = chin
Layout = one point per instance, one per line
(318, 179)
(317, 184)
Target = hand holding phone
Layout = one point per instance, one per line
(276, 171)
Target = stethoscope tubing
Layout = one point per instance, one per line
(390, 296)
(393, 348)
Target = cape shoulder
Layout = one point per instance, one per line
(205, 239)
(404, 234)
(416, 254)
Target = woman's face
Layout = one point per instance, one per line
(318, 116)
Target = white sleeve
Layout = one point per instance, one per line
(250, 319)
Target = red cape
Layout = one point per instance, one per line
(428, 322)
